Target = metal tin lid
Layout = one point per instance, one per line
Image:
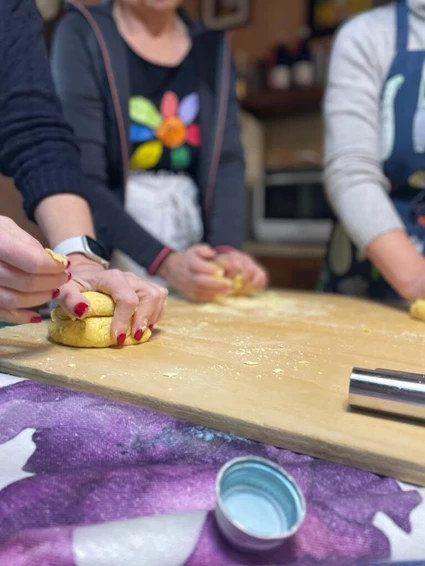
(258, 505)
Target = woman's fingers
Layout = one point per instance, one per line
(29, 257)
(72, 301)
(259, 280)
(13, 300)
(19, 316)
(137, 303)
(13, 278)
(150, 309)
(232, 264)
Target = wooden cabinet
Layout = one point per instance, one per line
(289, 266)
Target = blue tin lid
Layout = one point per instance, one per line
(259, 505)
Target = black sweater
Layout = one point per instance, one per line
(36, 146)
(90, 70)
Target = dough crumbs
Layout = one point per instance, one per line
(57, 257)
(277, 370)
(248, 363)
(304, 362)
(170, 374)
(72, 366)
(366, 330)
(102, 377)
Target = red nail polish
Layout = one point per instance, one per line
(150, 327)
(121, 339)
(36, 319)
(55, 293)
(68, 264)
(139, 335)
(80, 309)
(69, 276)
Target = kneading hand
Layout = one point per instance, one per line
(29, 276)
(192, 273)
(136, 300)
(234, 262)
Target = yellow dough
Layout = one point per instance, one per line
(100, 305)
(57, 257)
(94, 331)
(236, 283)
(417, 309)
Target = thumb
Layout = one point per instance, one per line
(72, 301)
(205, 251)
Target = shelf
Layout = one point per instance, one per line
(274, 104)
(297, 251)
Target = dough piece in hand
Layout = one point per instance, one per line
(236, 283)
(57, 257)
(417, 309)
(94, 331)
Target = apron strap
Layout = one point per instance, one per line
(402, 26)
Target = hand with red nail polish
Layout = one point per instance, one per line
(121, 339)
(29, 276)
(138, 304)
(81, 309)
(138, 335)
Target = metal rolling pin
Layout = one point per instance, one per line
(386, 391)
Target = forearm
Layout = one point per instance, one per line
(64, 216)
(360, 201)
(399, 262)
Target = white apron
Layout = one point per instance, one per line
(166, 205)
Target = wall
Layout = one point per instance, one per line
(273, 21)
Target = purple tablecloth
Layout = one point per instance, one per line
(89, 482)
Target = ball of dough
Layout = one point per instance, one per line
(100, 305)
(417, 309)
(236, 283)
(94, 331)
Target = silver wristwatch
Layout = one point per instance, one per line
(86, 246)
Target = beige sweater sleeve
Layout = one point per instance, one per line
(354, 179)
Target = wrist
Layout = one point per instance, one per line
(224, 249)
(80, 261)
(399, 262)
(163, 270)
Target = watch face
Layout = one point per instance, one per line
(96, 248)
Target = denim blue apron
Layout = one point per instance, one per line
(403, 156)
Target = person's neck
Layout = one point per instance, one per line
(154, 22)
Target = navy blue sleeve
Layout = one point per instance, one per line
(36, 146)
(228, 208)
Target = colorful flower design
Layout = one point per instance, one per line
(171, 127)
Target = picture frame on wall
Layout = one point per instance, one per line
(225, 14)
(325, 16)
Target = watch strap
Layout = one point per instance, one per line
(79, 245)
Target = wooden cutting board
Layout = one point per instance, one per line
(274, 369)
